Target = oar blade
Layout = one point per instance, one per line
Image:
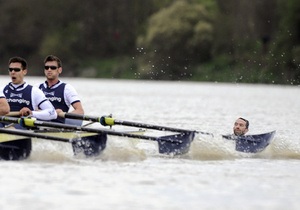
(177, 144)
(254, 143)
(90, 146)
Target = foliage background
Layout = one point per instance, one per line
(254, 41)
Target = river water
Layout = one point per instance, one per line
(131, 174)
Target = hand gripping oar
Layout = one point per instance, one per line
(174, 143)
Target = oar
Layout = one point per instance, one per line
(109, 121)
(13, 114)
(79, 117)
(27, 133)
(32, 122)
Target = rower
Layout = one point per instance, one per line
(65, 99)
(28, 101)
(62, 95)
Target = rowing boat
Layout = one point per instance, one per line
(251, 143)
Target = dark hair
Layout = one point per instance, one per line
(247, 122)
(53, 58)
(17, 59)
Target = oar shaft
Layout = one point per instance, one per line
(13, 114)
(31, 134)
(149, 126)
(112, 121)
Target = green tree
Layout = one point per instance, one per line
(176, 38)
(285, 54)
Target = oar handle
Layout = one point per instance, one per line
(13, 114)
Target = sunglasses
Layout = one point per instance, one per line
(14, 69)
(51, 67)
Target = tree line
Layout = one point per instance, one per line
(205, 40)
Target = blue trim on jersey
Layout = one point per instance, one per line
(75, 102)
(41, 103)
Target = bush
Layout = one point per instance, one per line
(176, 38)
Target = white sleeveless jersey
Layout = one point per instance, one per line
(42, 108)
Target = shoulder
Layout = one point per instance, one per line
(37, 91)
(69, 88)
(40, 85)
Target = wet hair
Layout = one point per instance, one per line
(17, 59)
(53, 58)
(247, 122)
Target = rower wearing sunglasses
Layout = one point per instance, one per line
(64, 98)
(26, 99)
(62, 95)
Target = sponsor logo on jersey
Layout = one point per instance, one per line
(16, 95)
(20, 101)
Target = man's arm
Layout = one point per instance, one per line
(78, 109)
(4, 106)
(72, 98)
(44, 109)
